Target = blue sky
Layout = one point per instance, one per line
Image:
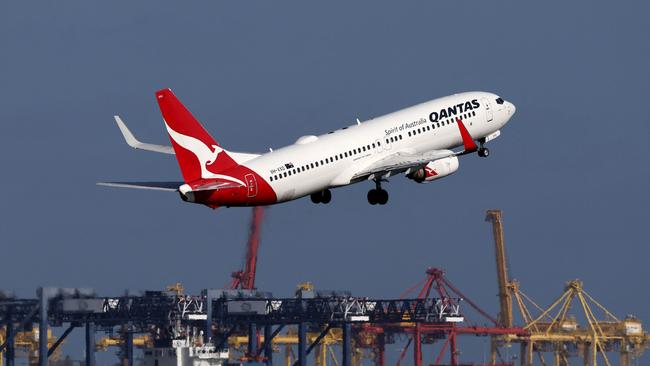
(570, 171)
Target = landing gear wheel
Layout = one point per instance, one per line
(372, 197)
(326, 196)
(382, 197)
(321, 197)
(483, 152)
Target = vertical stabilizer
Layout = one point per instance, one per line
(199, 155)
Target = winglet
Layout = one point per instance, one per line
(136, 144)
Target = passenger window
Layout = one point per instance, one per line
(409, 133)
(373, 145)
(387, 141)
(400, 137)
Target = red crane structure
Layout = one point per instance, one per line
(245, 278)
(436, 284)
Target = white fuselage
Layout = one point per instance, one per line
(315, 163)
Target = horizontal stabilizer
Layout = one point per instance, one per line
(216, 186)
(137, 144)
(156, 186)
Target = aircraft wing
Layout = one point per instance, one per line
(398, 162)
(156, 186)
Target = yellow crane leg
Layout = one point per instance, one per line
(594, 352)
(321, 355)
(287, 355)
(493, 351)
(625, 358)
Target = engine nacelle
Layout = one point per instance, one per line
(435, 169)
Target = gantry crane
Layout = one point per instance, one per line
(557, 331)
(27, 342)
(289, 340)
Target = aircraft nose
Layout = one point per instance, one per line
(511, 108)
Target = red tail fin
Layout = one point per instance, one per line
(199, 155)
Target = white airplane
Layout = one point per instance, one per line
(416, 142)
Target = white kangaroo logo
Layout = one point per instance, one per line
(203, 153)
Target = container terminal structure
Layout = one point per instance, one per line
(202, 324)
(242, 325)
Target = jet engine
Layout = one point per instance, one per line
(435, 169)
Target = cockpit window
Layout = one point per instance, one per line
(499, 100)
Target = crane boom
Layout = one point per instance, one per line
(505, 299)
(245, 279)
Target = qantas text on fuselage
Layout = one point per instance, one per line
(422, 142)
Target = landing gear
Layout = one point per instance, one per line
(377, 195)
(483, 152)
(322, 197)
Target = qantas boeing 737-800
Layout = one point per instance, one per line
(416, 142)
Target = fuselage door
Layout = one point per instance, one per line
(488, 110)
(251, 184)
